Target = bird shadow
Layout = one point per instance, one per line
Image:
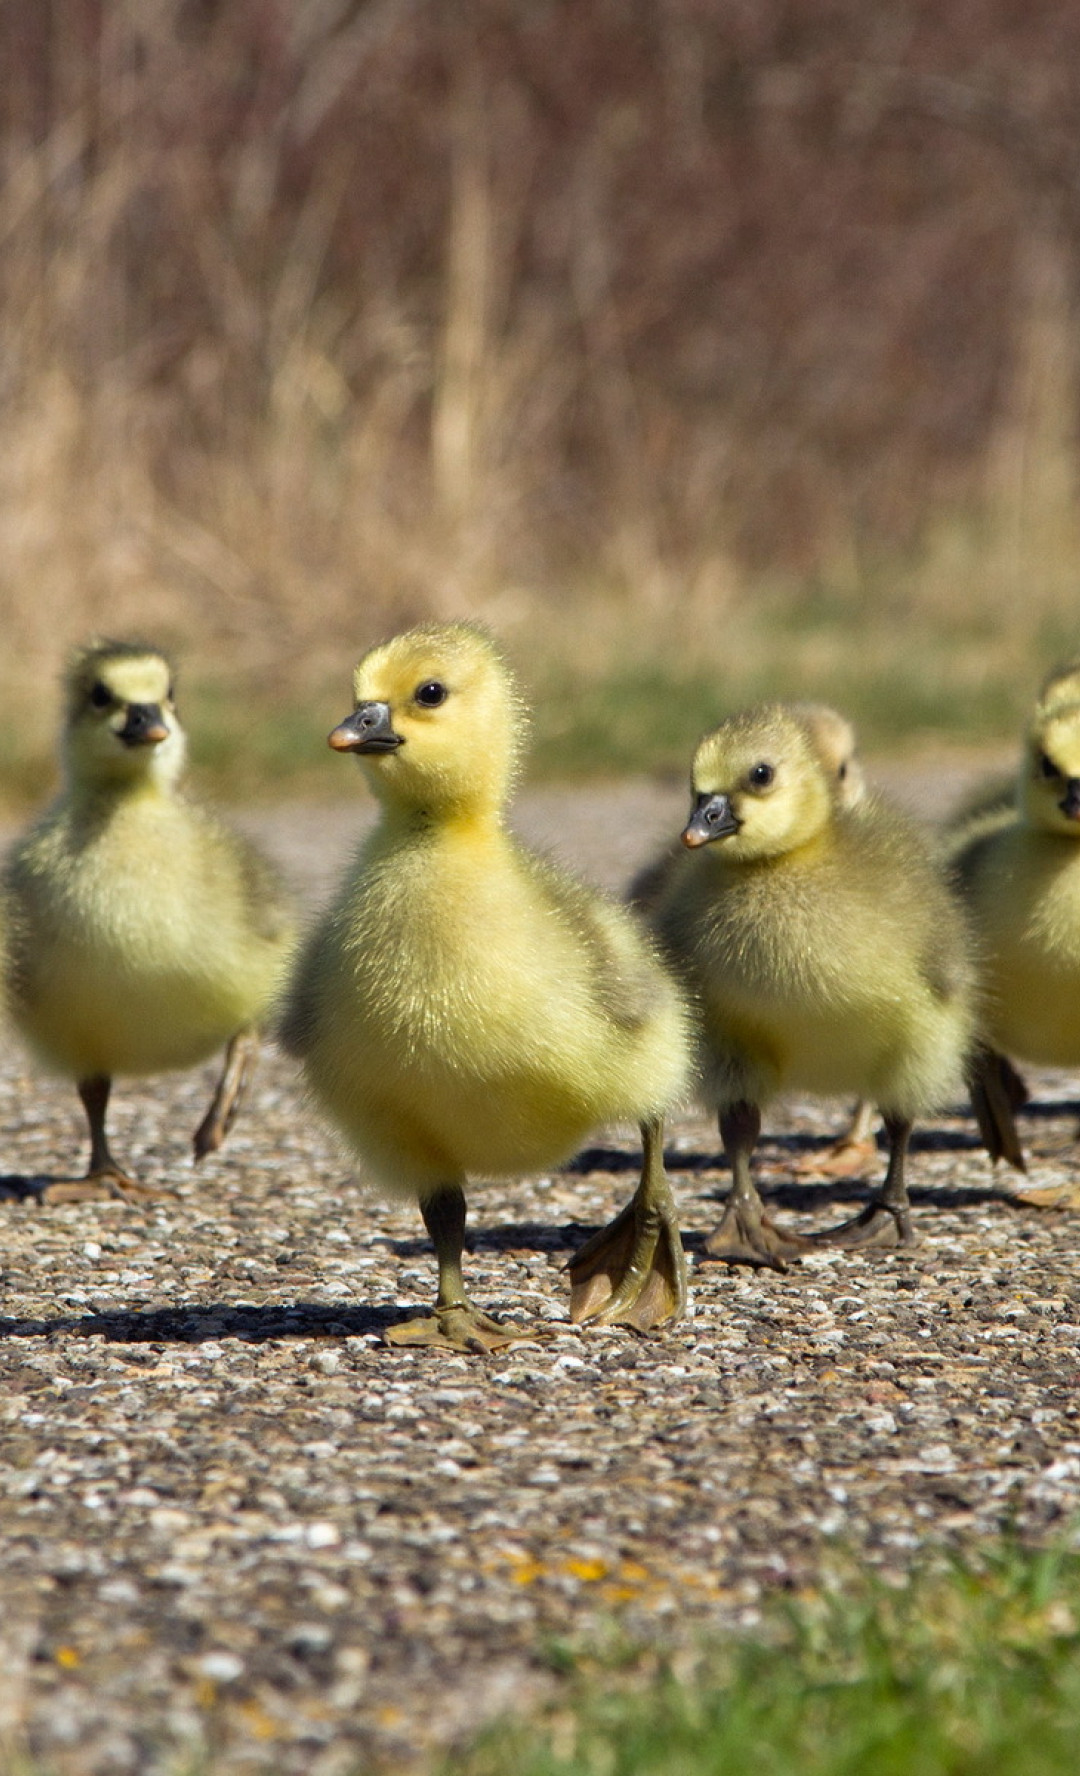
(805, 1196)
(202, 1322)
(793, 1146)
(1045, 1109)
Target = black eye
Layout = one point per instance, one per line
(100, 695)
(430, 694)
(1047, 766)
(761, 775)
(842, 773)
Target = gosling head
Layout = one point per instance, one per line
(1050, 788)
(1060, 687)
(760, 786)
(834, 739)
(121, 725)
(438, 724)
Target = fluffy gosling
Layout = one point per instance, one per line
(1018, 869)
(466, 1008)
(143, 934)
(833, 738)
(826, 954)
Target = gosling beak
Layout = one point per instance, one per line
(367, 729)
(711, 818)
(144, 725)
(1070, 801)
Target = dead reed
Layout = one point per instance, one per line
(688, 354)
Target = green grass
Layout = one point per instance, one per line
(629, 721)
(242, 748)
(615, 709)
(966, 1669)
(649, 718)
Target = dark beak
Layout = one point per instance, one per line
(1070, 802)
(367, 729)
(144, 725)
(711, 818)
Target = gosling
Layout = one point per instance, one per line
(143, 934)
(833, 739)
(826, 953)
(467, 1008)
(1018, 870)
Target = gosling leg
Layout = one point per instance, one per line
(633, 1272)
(745, 1234)
(105, 1180)
(456, 1324)
(886, 1219)
(997, 1090)
(215, 1125)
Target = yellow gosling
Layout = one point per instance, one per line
(832, 737)
(1018, 869)
(467, 1009)
(826, 954)
(143, 934)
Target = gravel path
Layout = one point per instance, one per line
(232, 1520)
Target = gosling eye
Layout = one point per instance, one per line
(430, 694)
(1047, 766)
(842, 773)
(100, 695)
(760, 776)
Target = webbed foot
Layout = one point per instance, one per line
(624, 1277)
(745, 1235)
(997, 1092)
(844, 1159)
(877, 1226)
(460, 1328)
(108, 1185)
(1046, 1196)
(633, 1272)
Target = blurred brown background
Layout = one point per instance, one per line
(703, 347)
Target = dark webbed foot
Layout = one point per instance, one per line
(878, 1225)
(105, 1180)
(997, 1091)
(633, 1272)
(885, 1223)
(745, 1234)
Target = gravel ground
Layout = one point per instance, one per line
(232, 1521)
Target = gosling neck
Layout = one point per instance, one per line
(157, 780)
(463, 818)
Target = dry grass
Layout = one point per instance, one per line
(266, 396)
